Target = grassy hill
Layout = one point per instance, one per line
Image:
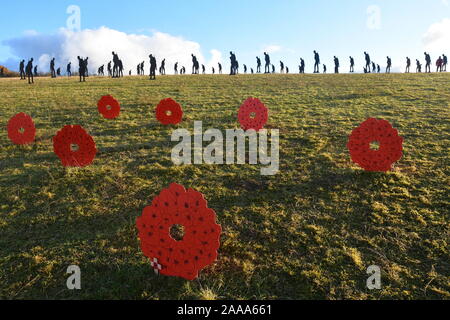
(309, 232)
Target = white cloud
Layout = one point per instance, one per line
(98, 44)
(272, 48)
(437, 39)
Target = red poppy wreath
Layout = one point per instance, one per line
(108, 107)
(176, 206)
(253, 114)
(74, 146)
(21, 129)
(168, 112)
(389, 150)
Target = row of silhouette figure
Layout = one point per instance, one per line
(115, 67)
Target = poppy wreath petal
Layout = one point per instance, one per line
(256, 107)
(114, 107)
(168, 111)
(21, 129)
(198, 248)
(390, 145)
(74, 135)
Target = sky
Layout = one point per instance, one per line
(287, 29)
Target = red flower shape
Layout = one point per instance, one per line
(390, 145)
(70, 136)
(114, 107)
(168, 112)
(258, 109)
(198, 248)
(21, 129)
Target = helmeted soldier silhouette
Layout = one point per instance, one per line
(408, 64)
(81, 69)
(267, 60)
(115, 69)
(352, 65)
(316, 61)
(367, 58)
(444, 65)
(258, 65)
(428, 62)
(109, 69)
(153, 67)
(418, 66)
(220, 68)
(195, 65)
(389, 64)
(52, 68)
(336, 64)
(234, 64)
(162, 68)
(22, 70)
(29, 71)
(302, 65)
(69, 69)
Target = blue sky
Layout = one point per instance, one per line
(293, 27)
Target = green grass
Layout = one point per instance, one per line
(309, 232)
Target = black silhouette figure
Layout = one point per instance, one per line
(35, 71)
(109, 70)
(195, 65)
(138, 69)
(142, 68)
(389, 64)
(374, 67)
(115, 69)
(129, 73)
(324, 68)
(281, 67)
(121, 68)
(352, 65)
(69, 69)
(245, 69)
(220, 68)
(22, 70)
(439, 63)
(162, 68)
(237, 67)
(86, 73)
(418, 66)
(175, 68)
(302, 65)
(81, 69)
(101, 70)
(316, 61)
(258, 65)
(267, 60)
(29, 71)
(378, 68)
(273, 69)
(58, 72)
(203, 69)
(213, 70)
(234, 64)
(408, 64)
(428, 63)
(444, 65)
(251, 70)
(52, 68)
(367, 58)
(336, 64)
(152, 67)
(287, 70)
